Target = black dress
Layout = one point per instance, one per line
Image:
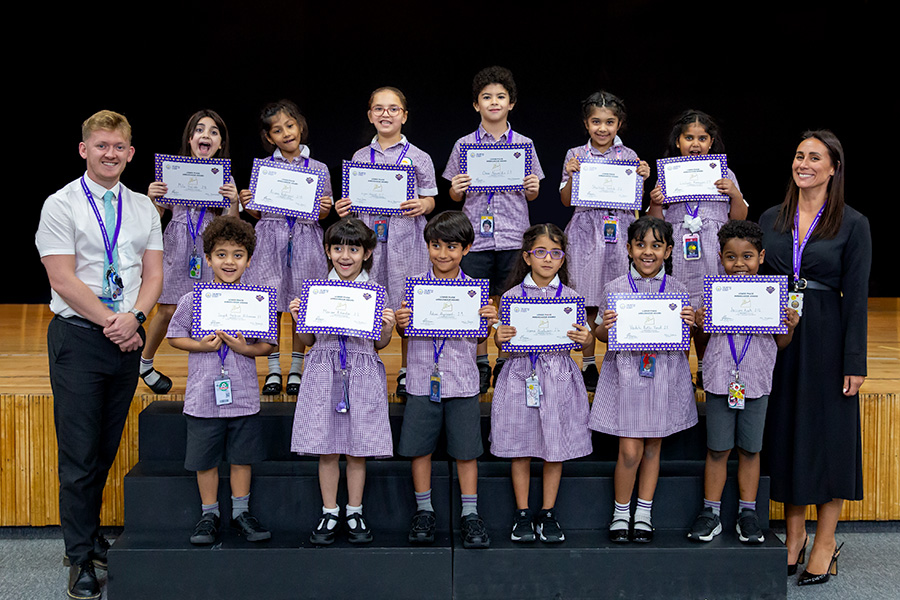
(812, 442)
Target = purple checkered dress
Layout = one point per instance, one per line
(405, 253)
(593, 262)
(362, 431)
(269, 265)
(510, 209)
(205, 367)
(557, 430)
(755, 370)
(177, 248)
(691, 272)
(628, 405)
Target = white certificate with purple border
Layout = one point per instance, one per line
(286, 189)
(607, 183)
(496, 167)
(446, 307)
(685, 178)
(336, 307)
(193, 181)
(246, 309)
(378, 188)
(744, 304)
(648, 322)
(541, 323)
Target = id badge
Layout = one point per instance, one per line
(222, 385)
(795, 301)
(610, 230)
(195, 265)
(736, 395)
(344, 405)
(533, 392)
(487, 225)
(435, 386)
(381, 229)
(114, 285)
(691, 246)
(648, 364)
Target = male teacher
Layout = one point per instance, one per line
(102, 248)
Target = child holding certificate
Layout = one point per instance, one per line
(449, 364)
(496, 246)
(738, 381)
(540, 405)
(221, 402)
(205, 136)
(289, 247)
(597, 236)
(342, 406)
(398, 254)
(642, 396)
(696, 223)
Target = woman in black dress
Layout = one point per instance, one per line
(813, 426)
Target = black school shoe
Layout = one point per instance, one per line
(293, 385)
(324, 532)
(206, 530)
(272, 384)
(591, 376)
(622, 535)
(83, 584)
(421, 530)
(98, 554)
(401, 385)
(548, 529)
(358, 531)
(523, 526)
(474, 533)
(248, 526)
(161, 385)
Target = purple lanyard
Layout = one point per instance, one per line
(737, 360)
(509, 138)
(223, 352)
(533, 356)
(399, 158)
(107, 244)
(342, 353)
(795, 234)
(437, 351)
(662, 287)
(588, 151)
(292, 220)
(195, 230)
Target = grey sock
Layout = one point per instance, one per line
(239, 505)
(469, 504)
(210, 508)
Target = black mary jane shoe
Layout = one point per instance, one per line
(293, 387)
(807, 578)
(161, 385)
(272, 386)
(641, 536)
(620, 536)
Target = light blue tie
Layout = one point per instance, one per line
(109, 219)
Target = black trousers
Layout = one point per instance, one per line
(93, 384)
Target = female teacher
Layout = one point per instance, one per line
(812, 427)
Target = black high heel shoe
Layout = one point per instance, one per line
(807, 578)
(792, 569)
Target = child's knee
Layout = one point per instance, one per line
(717, 455)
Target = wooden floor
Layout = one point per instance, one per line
(23, 351)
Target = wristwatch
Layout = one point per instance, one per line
(141, 317)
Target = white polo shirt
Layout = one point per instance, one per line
(68, 226)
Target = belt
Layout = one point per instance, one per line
(79, 322)
(808, 284)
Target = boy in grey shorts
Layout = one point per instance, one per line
(448, 400)
(745, 360)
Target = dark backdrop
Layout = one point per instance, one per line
(765, 74)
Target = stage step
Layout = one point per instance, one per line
(162, 434)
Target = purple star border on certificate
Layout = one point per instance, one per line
(716, 161)
(200, 288)
(319, 181)
(506, 304)
(481, 285)
(371, 334)
(679, 301)
(224, 164)
(638, 186)
(527, 154)
(347, 166)
(779, 284)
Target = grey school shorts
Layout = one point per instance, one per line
(728, 427)
(235, 440)
(424, 419)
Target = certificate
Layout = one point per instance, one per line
(607, 183)
(648, 322)
(684, 178)
(193, 181)
(336, 307)
(246, 309)
(446, 307)
(495, 167)
(378, 188)
(541, 323)
(286, 189)
(744, 304)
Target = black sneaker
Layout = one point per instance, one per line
(83, 584)
(484, 377)
(401, 385)
(498, 366)
(474, 533)
(325, 530)
(358, 529)
(523, 527)
(706, 526)
(206, 529)
(421, 530)
(591, 376)
(748, 529)
(248, 526)
(548, 528)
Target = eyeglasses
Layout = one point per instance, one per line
(555, 254)
(391, 110)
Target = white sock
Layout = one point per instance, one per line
(642, 515)
(621, 517)
(274, 361)
(335, 512)
(352, 512)
(588, 360)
